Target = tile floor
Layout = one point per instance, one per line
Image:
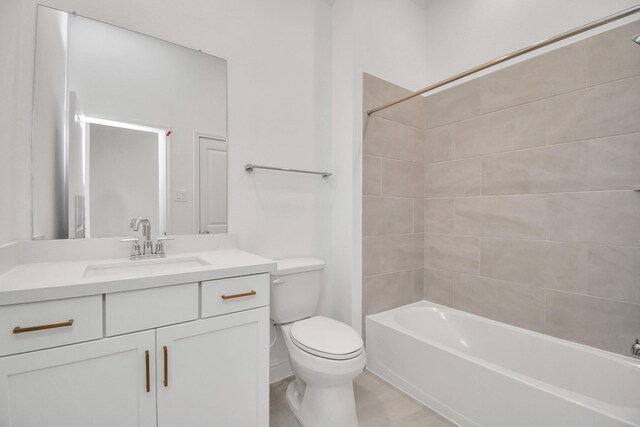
(378, 404)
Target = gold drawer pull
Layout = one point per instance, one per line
(246, 294)
(146, 366)
(19, 330)
(166, 366)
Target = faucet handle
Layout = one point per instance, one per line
(160, 245)
(135, 249)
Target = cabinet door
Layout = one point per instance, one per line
(99, 384)
(214, 372)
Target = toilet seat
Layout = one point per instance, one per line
(326, 338)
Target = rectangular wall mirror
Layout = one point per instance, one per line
(125, 125)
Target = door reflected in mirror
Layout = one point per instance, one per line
(125, 125)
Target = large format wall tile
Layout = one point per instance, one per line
(438, 286)
(545, 170)
(438, 216)
(386, 215)
(453, 253)
(393, 140)
(402, 252)
(610, 56)
(440, 144)
(418, 215)
(457, 178)
(614, 272)
(553, 73)
(598, 217)
(370, 176)
(377, 92)
(601, 323)
(371, 255)
(393, 199)
(402, 179)
(606, 110)
(518, 305)
(454, 104)
(387, 291)
(614, 162)
(506, 130)
(501, 216)
(552, 265)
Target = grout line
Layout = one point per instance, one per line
(392, 159)
(545, 98)
(527, 285)
(378, 116)
(524, 239)
(486, 196)
(537, 147)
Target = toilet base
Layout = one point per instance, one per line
(322, 406)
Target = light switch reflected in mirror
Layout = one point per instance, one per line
(125, 125)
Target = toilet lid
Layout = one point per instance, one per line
(326, 338)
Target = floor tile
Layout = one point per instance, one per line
(378, 404)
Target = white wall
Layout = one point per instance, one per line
(392, 40)
(462, 34)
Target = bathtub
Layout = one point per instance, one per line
(479, 372)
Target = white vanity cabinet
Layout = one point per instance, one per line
(191, 366)
(98, 384)
(213, 372)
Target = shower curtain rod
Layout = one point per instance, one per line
(531, 48)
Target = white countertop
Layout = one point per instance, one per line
(43, 281)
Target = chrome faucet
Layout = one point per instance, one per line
(635, 348)
(147, 247)
(147, 250)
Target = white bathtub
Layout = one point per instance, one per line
(478, 372)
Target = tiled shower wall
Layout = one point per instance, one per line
(393, 199)
(529, 213)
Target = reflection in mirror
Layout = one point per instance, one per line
(117, 191)
(125, 125)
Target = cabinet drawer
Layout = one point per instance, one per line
(150, 308)
(235, 294)
(38, 325)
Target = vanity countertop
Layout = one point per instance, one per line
(67, 279)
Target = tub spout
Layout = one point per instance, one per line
(635, 348)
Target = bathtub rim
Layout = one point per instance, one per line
(634, 362)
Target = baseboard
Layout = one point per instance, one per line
(279, 370)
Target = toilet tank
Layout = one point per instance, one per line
(295, 289)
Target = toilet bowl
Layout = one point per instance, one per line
(322, 394)
(325, 354)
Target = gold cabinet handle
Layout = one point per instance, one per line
(166, 365)
(246, 294)
(146, 364)
(20, 330)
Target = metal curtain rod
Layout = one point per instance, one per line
(249, 168)
(531, 48)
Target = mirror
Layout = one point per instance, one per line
(125, 125)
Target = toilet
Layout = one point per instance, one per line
(325, 354)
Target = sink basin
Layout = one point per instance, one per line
(138, 267)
